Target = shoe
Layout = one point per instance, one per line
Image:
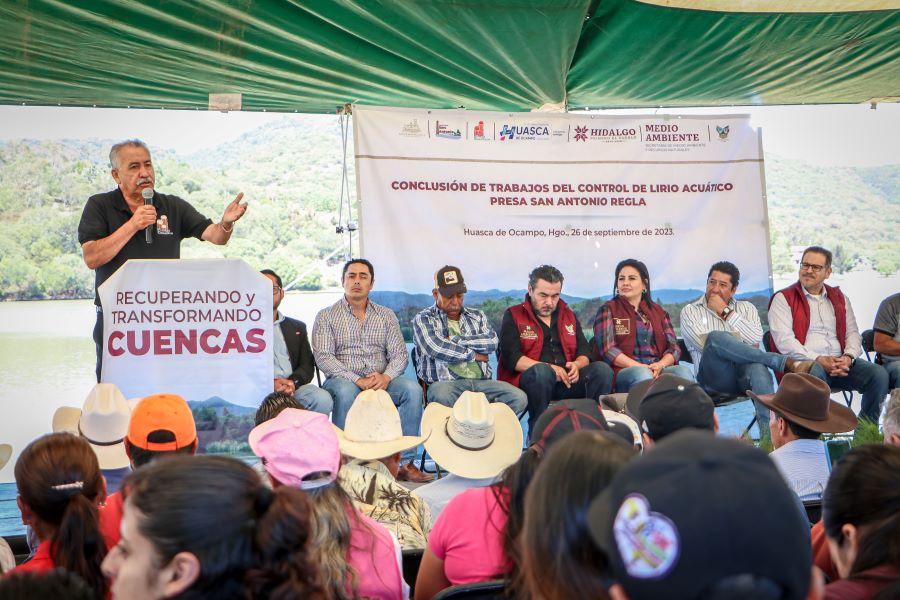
(798, 366)
(410, 473)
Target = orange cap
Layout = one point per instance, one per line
(162, 412)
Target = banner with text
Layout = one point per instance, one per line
(198, 328)
(497, 194)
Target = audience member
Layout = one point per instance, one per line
(801, 411)
(7, 558)
(205, 527)
(357, 556)
(678, 523)
(633, 333)
(373, 437)
(861, 512)
(57, 583)
(543, 350)
(272, 405)
(559, 559)
(668, 404)
(813, 321)
(891, 419)
(474, 441)
(358, 346)
(103, 422)
(453, 343)
(59, 484)
(294, 364)
(887, 337)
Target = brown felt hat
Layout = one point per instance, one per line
(806, 400)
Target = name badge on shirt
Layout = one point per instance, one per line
(162, 226)
(622, 326)
(527, 333)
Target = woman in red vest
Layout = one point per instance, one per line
(633, 333)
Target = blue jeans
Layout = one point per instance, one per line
(865, 377)
(446, 392)
(407, 397)
(729, 366)
(540, 385)
(629, 376)
(893, 370)
(312, 397)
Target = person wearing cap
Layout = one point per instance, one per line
(358, 346)
(723, 335)
(159, 425)
(358, 557)
(453, 343)
(801, 411)
(294, 365)
(810, 320)
(668, 404)
(676, 523)
(474, 441)
(543, 350)
(373, 439)
(103, 422)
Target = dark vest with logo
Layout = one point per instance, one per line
(531, 335)
(625, 326)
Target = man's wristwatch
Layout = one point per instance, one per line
(725, 312)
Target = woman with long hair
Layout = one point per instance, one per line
(861, 513)
(207, 527)
(59, 483)
(560, 561)
(633, 333)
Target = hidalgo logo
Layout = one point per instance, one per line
(525, 132)
(581, 133)
(723, 132)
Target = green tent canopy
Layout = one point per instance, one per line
(486, 55)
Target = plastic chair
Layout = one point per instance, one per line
(485, 590)
(813, 510)
(412, 558)
(868, 344)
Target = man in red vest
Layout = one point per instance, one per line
(543, 350)
(813, 321)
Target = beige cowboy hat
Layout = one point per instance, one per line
(372, 429)
(806, 400)
(102, 421)
(5, 454)
(474, 439)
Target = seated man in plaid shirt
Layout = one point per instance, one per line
(453, 343)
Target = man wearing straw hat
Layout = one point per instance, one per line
(802, 410)
(373, 438)
(475, 441)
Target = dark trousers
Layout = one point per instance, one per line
(540, 385)
(98, 341)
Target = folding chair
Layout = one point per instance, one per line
(414, 357)
(485, 590)
(770, 347)
(868, 344)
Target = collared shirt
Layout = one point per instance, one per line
(40, 561)
(379, 496)
(887, 321)
(348, 348)
(698, 320)
(436, 349)
(804, 466)
(644, 341)
(440, 492)
(821, 339)
(283, 366)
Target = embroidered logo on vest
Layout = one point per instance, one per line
(570, 329)
(527, 333)
(622, 326)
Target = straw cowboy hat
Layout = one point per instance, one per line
(474, 439)
(5, 454)
(102, 421)
(372, 429)
(806, 400)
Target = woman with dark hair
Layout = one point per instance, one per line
(861, 513)
(59, 483)
(206, 527)
(560, 561)
(633, 333)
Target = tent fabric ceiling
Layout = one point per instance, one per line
(509, 55)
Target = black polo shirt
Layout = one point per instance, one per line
(105, 213)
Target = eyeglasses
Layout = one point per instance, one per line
(811, 267)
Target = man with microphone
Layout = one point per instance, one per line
(134, 221)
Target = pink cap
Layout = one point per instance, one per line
(296, 444)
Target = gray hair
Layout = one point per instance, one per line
(114, 151)
(892, 414)
(548, 273)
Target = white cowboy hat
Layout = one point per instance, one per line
(372, 429)
(5, 454)
(103, 422)
(474, 439)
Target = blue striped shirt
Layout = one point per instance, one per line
(804, 467)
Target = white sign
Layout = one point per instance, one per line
(197, 328)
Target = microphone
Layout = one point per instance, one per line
(147, 194)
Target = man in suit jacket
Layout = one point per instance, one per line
(294, 365)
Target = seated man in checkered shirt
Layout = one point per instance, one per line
(453, 343)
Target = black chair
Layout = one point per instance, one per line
(412, 558)
(719, 399)
(868, 344)
(19, 546)
(770, 347)
(813, 510)
(414, 358)
(485, 590)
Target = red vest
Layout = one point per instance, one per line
(531, 335)
(625, 326)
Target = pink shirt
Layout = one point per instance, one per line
(374, 558)
(468, 537)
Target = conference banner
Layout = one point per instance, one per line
(200, 328)
(497, 194)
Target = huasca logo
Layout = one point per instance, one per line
(524, 132)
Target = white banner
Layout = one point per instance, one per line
(497, 194)
(198, 328)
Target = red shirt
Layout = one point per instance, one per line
(111, 519)
(40, 562)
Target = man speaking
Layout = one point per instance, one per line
(134, 221)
